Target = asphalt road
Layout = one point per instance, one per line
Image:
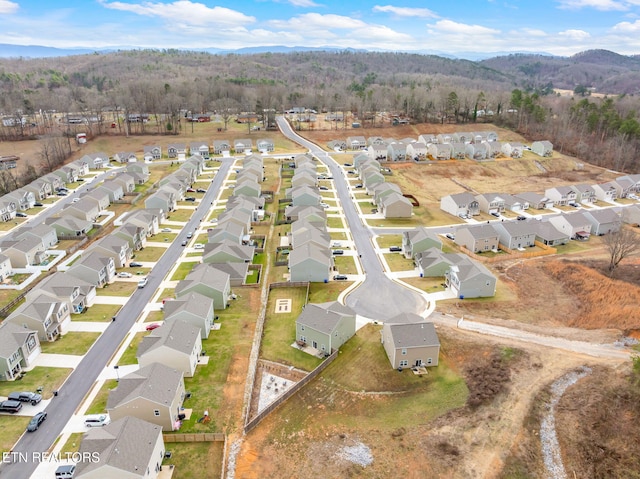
(378, 297)
(78, 384)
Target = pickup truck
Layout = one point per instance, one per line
(10, 406)
(25, 396)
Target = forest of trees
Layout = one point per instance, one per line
(170, 84)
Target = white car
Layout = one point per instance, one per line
(142, 283)
(324, 205)
(198, 246)
(124, 274)
(166, 230)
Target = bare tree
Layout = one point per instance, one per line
(620, 244)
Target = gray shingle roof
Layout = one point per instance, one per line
(414, 335)
(178, 335)
(157, 383)
(324, 317)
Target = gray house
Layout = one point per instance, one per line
(193, 308)
(69, 225)
(208, 281)
(548, 234)
(477, 238)
(395, 205)
(411, 344)
(44, 314)
(114, 247)
(19, 348)
(94, 268)
(418, 240)
(325, 326)
(603, 221)
(310, 262)
(77, 293)
(515, 234)
(470, 279)
(460, 204)
(576, 225)
(176, 344)
(542, 148)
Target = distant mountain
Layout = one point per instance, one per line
(38, 51)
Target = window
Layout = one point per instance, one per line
(156, 412)
(429, 361)
(404, 351)
(404, 362)
(302, 327)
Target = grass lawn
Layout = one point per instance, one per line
(50, 379)
(280, 331)
(429, 285)
(345, 264)
(333, 222)
(99, 404)
(323, 292)
(129, 355)
(118, 288)
(397, 262)
(338, 236)
(168, 293)
(154, 316)
(180, 215)
(97, 312)
(73, 443)
(8, 295)
(574, 247)
(12, 429)
(252, 277)
(190, 459)
(150, 253)
(73, 342)
(194, 255)
(202, 238)
(182, 271)
(385, 241)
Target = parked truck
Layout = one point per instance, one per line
(25, 396)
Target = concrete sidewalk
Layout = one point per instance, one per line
(121, 300)
(88, 326)
(57, 360)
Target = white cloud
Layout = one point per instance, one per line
(7, 7)
(533, 32)
(405, 11)
(627, 27)
(313, 21)
(596, 4)
(579, 35)
(303, 3)
(449, 27)
(188, 12)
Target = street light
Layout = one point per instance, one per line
(116, 367)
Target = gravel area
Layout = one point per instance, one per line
(359, 454)
(551, 453)
(272, 387)
(231, 461)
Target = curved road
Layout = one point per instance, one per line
(378, 297)
(82, 379)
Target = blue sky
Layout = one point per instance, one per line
(561, 27)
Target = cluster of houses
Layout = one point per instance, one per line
(387, 197)
(180, 151)
(310, 257)
(172, 188)
(478, 146)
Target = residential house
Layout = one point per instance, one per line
(396, 152)
(125, 157)
(427, 139)
(228, 232)
(458, 150)
(542, 148)
(604, 220)
(548, 234)
(371, 179)
(23, 198)
(54, 180)
(87, 210)
(221, 147)
(356, 143)
(439, 151)
(100, 195)
(631, 215)
(584, 193)
(77, 293)
(8, 209)
(575, 224)
(40, 189)
(515, 234)
(44, 314)
(606, 191)
(113, 246)
(176, 344)
(139, 171)
(536, 201)
(490, 203)
(6, 270)
(135, 236)
(114, 190)
(337, 145)
(237, 272)
(66, 174)
(625, 186)
(462, 137)
(494, 149)
(195, 163)
(24, 252)
(242, 145)
(308, 232)
(162, 200)
(444, 138)
(395, 205)
(477, 151)
(126, 181)
(193, 308)
(69, 226)
(477, 238)
(303, 196)
(94, 268)
(96, 161)
(325, 326)
(411, 344)
(417, 240)
(304, 178)
(362, 161)
(265, 145)
(146, 219)
(384, 189)
(513, 203)
(199, 148)
(377, 152)
(460, 204)
(153, 393)
(176, 151)
(152, 152)
(470, 279)
(19, 348)
(433, 263)
(248, 187)
(310, 262)
(561, 195)
(512, 149)
(208, 281)
(128, 448)
(314, 214)
(633, 179)
(227, 252)
(44, 233)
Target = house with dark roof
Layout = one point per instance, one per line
(19, 348)
(128, 448)
(176, 344)
(153, 393)
(411, 344)
(325, 326)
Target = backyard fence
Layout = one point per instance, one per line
(195, 437)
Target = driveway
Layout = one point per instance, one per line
(378, 297)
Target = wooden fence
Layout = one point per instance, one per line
(290, 392)
(195, 437)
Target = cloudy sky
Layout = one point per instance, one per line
(560, 27)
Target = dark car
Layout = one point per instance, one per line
(36, 420)
(135, 264)
(348, 164)
(340, 277)
(395, 249)
(25, 396)
(359, 185)
(493, 213)
(337, 251)
(201, 190)
(10, 406)
(521, 218)
(323, 188)
(61, 193)
(20, 214)
(190, 198)
(38, 204)
(80, 179)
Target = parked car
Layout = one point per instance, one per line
(201, 190)
(348, 164)
(166, 230)
(339, 277)
(493, 213)
(61, 193)
(337, 252)
(25, 396)
(135, 264)
(97, 420)
(191, 190)
(20, 214)
(143, 282)
(521, 218)
(37, 204)
(352, 172)
(395, 249)
(10, 406)
(66, 471)
(324, 205)
(359, 185)
(75, 200)
(184, 243)
(36, 420)
(450, 236)
(198, 246)
(190, 198)
(575, 205)
(323, 188)
(152, 326)
(80, 180)
(124, 274)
